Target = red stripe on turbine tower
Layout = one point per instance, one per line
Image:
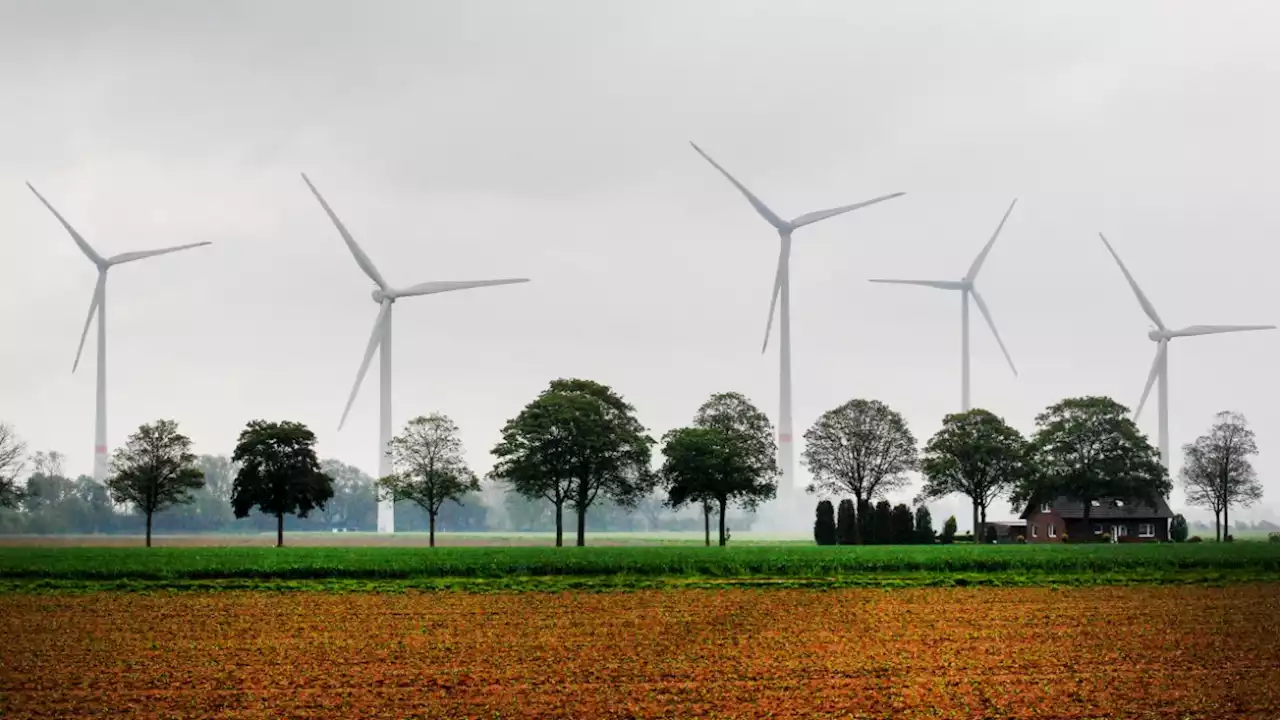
(100, 448)
(785, 437)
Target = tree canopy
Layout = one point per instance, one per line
(977, 455)
(576, 441)
(155, 470)
(430, 467)
(1088, 448)
(862, 448)
(279, 472)
(12, 459)
(1217, 472)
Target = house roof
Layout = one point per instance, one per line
(1069, 508)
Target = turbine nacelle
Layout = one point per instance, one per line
(378, 295)
(1157, 335)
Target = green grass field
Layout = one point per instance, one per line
(187, 567)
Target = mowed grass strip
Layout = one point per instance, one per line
(783, 561)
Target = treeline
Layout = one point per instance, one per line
(864, 524)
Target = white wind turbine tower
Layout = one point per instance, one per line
(380, 340)
(99, 305)
(782, 286)
(967, 288)
(1161, 335)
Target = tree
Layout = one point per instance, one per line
(753, 452)
(279, 472)
(882, 525)
(48, 463)
(977, 455)
(12, 459)
(924, 526)
(948, 531)
(1217, 472)
(430, 467)
(862, 448)
(846, 519)
(154, 470)
(726, 457)
(824, 527)
(1088, 448)
(902, 525)
(1178, 530)
(576, 441)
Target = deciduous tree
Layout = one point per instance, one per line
(12, 459)
(948, 531)
(576, 441)
(1088, 448)
(1217, 472)
(862, 448)
(728, 456)
(279, 472)
(154, 470)
(1178, 530)
(430, 467)
(977, 455)
(882, 526)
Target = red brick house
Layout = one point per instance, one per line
(1125, 520)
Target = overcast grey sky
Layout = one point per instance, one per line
(549, 140)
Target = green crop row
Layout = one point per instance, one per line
(380, 563)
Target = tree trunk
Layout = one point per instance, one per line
(983, 537)
(1217, 526)
(149, 529)
(1226, 522)
(279, 529)
(582, 527)
(722, 503)
(1088, 528)
(977, 538)
(560, 524)
(431, 523)
(706, 522)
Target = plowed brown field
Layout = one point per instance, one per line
(1143, 652)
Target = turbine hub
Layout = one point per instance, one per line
(1155, 335)
(378, 296)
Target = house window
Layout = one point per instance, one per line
(1035, 531)
(1053, 532)
(1046, 507)
(1097, 528)
(1146, 529)
(1094, 503)
(1122, 531)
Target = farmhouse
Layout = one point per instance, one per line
(1124, 520)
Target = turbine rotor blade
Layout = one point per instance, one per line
(770, 216)
(940, 284)
(1215, 330)
(813, 217)
(986, 314)
(982, 256)
(375, 340)
(80, 241)
(143, 254)
(431, 288)
(1156, 364)
(98, 289)
(777, 289)
(361, 258)
(1142, 298)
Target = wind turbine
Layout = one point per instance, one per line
(782, 286)
(99, 305)
(967, 288)
(380, 340)
(1161, 335)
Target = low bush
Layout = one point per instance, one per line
(1195, 539)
